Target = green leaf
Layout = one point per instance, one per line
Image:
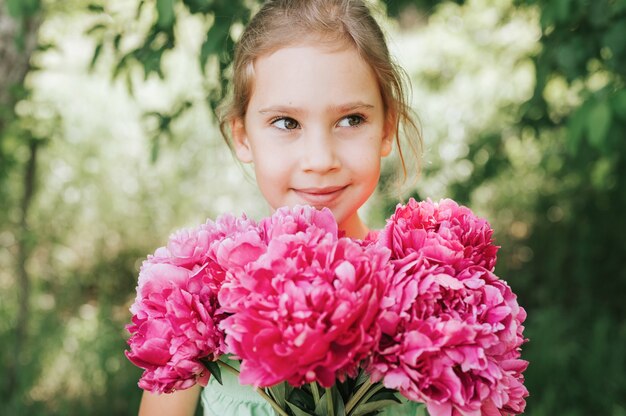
(298, 411)
(165, 9)
(599, 123)
(340, 409)
(212, 366)
(96, 55)
(570, 56)
(615, 37)
(321, 407)
(362, 378)
(154, 151)
(599, 13)
(280, 392)
(95, 8)
(121, 64)
(575, 129)
(151, 62)
(561, 10)
(601, 172)
(129, 83)
(618, 102)
(139, 9)
(116, 41)
(372, 407)
(98, 27)
(302, 399)
(384, 394)
(214, 41)
(46, 46)
(547, 17)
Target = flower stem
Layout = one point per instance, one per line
(329, 402)
(316, 393)
(271, 401)
(372, 391)
(358, 395)
(261, 392)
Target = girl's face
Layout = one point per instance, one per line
(315, 130)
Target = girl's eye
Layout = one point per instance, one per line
(352, 120)
(285, 123)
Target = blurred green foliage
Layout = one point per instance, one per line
(548, 171)
(573, 287)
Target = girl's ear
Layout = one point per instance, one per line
(240, 140)
(389, 133)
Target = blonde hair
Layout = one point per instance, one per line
(280, 23)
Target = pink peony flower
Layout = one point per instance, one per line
(443, 232)
(176, 313)
(451, 330)
(296, 220)
(307, 309)
(174, 327)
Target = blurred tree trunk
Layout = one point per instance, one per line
(18, 41)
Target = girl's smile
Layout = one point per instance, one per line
(320, 197)
(315, 130)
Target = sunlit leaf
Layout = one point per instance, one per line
(95, 8)
(98, 27)
(46, 46)
(96, 54)
(116, 41)
(154, 150)
(139, 8)
(121, 65)
(130, 87)
(600, 172)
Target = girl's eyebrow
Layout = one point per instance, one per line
(343, 108)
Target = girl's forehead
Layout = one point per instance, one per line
(306, 59)
(323, 42)
(313, 76)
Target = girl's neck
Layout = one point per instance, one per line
(354, 227)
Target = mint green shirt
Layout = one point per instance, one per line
(233, 399)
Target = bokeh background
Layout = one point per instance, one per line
(108, 144)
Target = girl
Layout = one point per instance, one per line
(316, 104)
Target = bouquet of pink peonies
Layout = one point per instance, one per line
(325, 325)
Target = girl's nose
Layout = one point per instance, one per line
(319, 154)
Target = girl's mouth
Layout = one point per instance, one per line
(320, 196)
